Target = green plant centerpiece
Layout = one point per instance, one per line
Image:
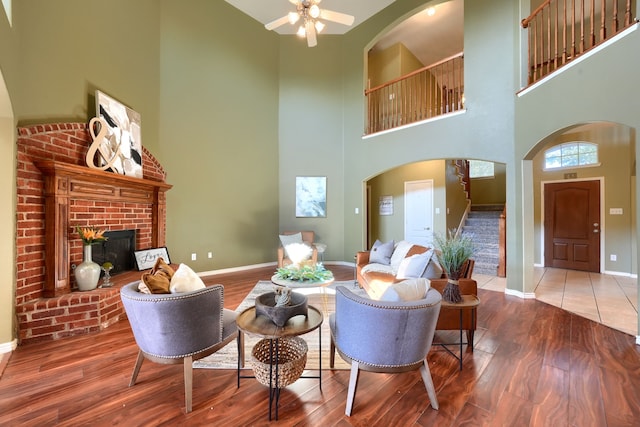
(454, 250)
(304, 271)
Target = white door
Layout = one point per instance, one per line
(418, 212)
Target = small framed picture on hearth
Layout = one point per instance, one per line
(147, 258)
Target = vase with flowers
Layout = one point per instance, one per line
(87, 273)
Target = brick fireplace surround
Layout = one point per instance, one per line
(56, 191)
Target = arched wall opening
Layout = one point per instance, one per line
(8, 340)
(615, 173)
(386, 213)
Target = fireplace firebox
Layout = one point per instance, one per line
(118, 249)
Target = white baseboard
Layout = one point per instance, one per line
(266, 264)
(8, 347)
(520, 294)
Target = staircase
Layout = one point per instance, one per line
(483, 222)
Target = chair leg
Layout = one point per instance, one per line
(136, 368)
(241, 357)
(332, 354)
(353, 382)
(188, 382)
(428, 383)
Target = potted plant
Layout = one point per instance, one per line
(454, 250)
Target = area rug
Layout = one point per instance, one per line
(321, 298)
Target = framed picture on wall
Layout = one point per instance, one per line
(311, 196)
(386, 205)
(122, 144)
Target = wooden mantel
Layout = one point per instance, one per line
(64, 182)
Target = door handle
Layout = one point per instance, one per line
(595, 230)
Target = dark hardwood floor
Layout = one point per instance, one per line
(533, 364)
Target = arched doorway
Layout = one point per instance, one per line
(606, 292)
(7, 221)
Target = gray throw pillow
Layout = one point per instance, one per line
(413, 267)
(381, 252)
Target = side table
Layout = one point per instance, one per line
(263, 327)
(469, 302)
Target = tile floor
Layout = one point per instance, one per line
(610, 300)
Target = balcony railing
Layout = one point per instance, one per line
(422, 94)
(562, 30)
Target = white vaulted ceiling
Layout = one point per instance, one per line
(265, 11)
(429, 38)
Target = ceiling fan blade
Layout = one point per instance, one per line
(340, 18)
(277, 23)
(311, 33)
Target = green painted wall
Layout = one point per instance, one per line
(8, 72)
(489, 191)
(7, 219)
(391, 63)
(456, 199)
(311, 134)
(219, 134)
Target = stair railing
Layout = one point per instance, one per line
(559, 31)
(428, 92)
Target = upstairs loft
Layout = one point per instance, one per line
(558, 32)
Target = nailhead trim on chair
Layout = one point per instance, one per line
(173, 297)
(377, 304)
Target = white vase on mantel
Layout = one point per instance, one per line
(87, 272)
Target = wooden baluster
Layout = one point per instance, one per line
(603, 20)
(592, 31)
(564, 32)
(548, 39)
(627, 14)
(614, 21)
(573, 30)
(555, 53)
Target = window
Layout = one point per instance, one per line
(571, 155)
(480, 169)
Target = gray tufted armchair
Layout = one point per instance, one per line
(179, 328)
(382, 336)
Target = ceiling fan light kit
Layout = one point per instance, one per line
(311, 14)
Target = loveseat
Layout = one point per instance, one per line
(404, 261)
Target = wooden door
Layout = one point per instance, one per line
(572, 225)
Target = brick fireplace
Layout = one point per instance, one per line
(56, 192)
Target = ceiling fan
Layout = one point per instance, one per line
(310, 13)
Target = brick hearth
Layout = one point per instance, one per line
(69, 312)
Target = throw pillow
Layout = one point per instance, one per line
(399, 253)
(287, 239)
(433, 270)
(185, 280)
(381, 252)
(407, 290)
(157, 280)
(413, 267)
